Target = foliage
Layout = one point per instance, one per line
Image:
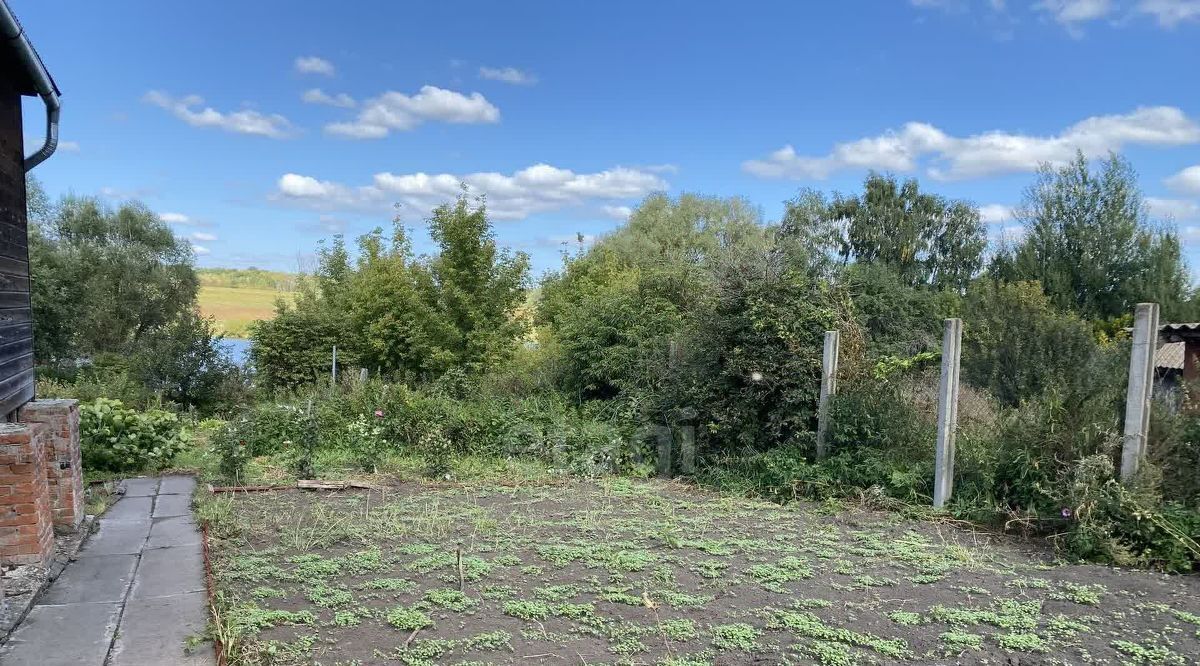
(186, 364)
(251, 278)
(742, 307)
(925, 239)
(116, 439)
(296, 346)
(394, 313)
(107, 376)
(1089, 243)
(105, 280)
(1017, 346)
(897, 319)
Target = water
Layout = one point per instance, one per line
(238, 349)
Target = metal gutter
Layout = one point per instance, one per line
(14, 35)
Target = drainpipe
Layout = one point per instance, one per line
(14, 34)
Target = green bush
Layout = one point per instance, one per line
(116, 439)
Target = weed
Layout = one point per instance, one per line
(962, 640)
(402, 617)
(737, 636)
(803, 623)
(451, 600)
(328, 597)
(389, 584)
(905, 618)
(1081, 594)
(679, 629)
(527, 610)
(1021, 642)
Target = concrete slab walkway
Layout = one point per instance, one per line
(135, 594)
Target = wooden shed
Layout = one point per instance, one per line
(21, 74)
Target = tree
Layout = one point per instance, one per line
(386, 310)
(184, 362)
(1090, 244)
(924, 238)
(479, 286)
(1017, 344)
(104, 280)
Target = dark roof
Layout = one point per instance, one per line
(1179, 332)
(24, 83)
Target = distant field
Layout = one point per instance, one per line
(235, 307)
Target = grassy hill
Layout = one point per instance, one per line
(237, 297)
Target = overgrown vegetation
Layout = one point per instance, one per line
(699, 318)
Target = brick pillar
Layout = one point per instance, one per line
(26, 521)
(64, 463)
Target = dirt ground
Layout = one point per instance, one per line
(626, 572)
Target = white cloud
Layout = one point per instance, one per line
(318, 96)
(175, 218)
(200, 250)
(314, 65)
(618, 212)
(1186, 181)
(1177, 209)
(995, 213)
(204, 236)
(397, 111)
(69, 146)
(1072, 13)
(1170, 13)
(537, 188)
(246, 121)
(508, 75)
(123, 194)
(990, 153)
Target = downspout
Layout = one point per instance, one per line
(15, 35)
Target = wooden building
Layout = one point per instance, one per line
(21, 74)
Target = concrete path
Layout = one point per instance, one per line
(134, 596)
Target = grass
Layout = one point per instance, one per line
(235, 308)
(513, 568)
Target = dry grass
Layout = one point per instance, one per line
(234, 308)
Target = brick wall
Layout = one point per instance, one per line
(64, 463)
(26, 518)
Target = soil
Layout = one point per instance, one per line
(628, 572)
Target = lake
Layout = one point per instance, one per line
(238, 348)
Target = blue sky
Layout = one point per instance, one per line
(257, 128)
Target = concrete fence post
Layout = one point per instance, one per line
(947, 421)
(1141, 387)
(663, 435)
(687, 449)
(829, 370)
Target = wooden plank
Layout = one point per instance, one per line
(14, 251)
(14, 282)
(14, 299)
(9, 316)
(11, 266)
(14, 332)
(14, 233)
(13, 401)
(17, 364)
(17, 349)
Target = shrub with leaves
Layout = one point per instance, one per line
(116, 439)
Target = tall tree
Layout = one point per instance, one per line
(924, 238)
(104, 279)
(479, 286)
(1090, 244)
